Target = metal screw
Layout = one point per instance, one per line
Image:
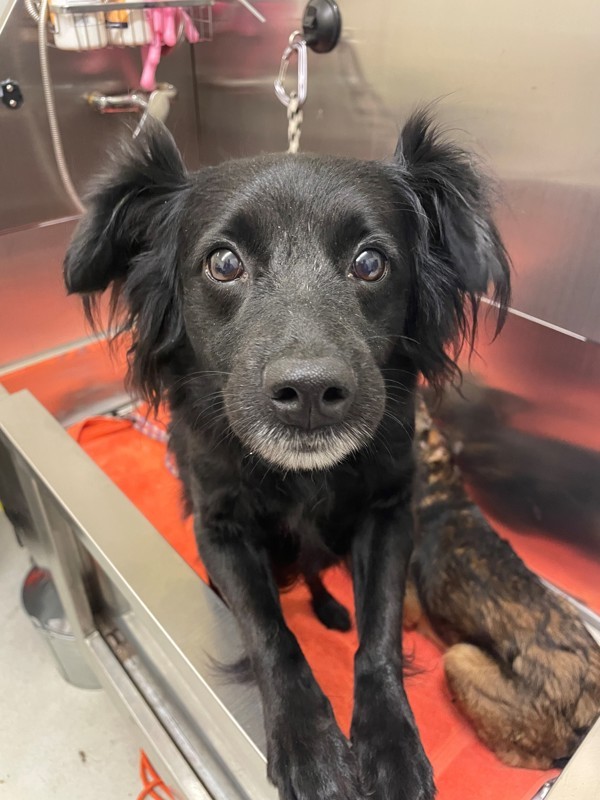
(12, 103)
(9, 87)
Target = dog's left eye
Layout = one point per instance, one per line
(370, 265)
(224, 265)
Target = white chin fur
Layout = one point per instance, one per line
(297, 453)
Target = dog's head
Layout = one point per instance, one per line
(293, 282)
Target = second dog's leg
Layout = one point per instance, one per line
(511, 726)
(392, 762)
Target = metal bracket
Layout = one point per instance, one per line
(11, 95)
(321, 25)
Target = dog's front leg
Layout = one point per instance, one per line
(392, 762)
(308, 757)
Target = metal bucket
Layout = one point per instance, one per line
(43, 605)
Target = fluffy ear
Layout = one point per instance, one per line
(128, 240)
(456, 249)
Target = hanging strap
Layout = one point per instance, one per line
(294, 116)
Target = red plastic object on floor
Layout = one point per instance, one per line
(153, 786)
(464, 768)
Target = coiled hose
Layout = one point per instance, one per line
(59, 154)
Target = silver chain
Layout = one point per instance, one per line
(294, 115)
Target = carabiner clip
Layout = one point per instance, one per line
(296, 45)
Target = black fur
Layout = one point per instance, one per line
(271, 502)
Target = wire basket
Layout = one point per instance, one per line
(89, 26)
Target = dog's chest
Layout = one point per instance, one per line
(311, 532)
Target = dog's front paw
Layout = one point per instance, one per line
(312, 763)
(393, 769)
(391, 761)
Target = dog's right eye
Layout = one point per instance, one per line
(224, 265)
(370, 265)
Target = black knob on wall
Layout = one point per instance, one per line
(10, 94)
(321, 25)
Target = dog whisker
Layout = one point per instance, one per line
(185, 379)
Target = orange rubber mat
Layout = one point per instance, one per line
(464, 768)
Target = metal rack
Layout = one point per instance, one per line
(90, 26)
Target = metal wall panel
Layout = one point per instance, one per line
(35, 315)
(528, 423)
(35, 193)
(516, 83)
(521, 79)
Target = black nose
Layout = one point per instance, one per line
(310, 393)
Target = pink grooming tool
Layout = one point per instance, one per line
(164, 23)
(169, 29)
(157, 20)
(151, 62)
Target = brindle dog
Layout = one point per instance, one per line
(520, 663)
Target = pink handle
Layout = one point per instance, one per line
(153, 52)
(164, 23)
(151, 62)
(169, 30)
(157, 20)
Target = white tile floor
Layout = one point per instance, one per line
(57, 742)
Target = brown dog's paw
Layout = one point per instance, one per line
(519, 732)
(412, 611)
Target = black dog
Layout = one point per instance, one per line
(284, 306)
